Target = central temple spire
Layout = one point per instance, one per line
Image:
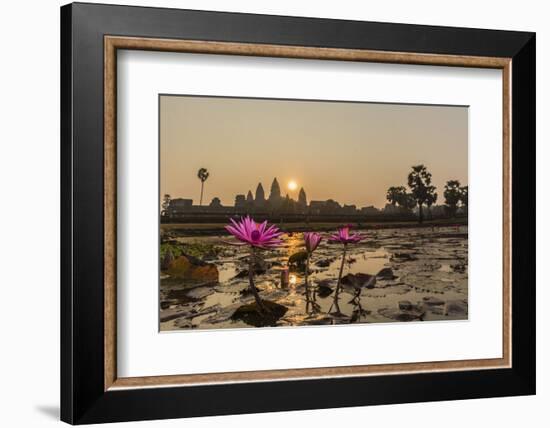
(275, 193)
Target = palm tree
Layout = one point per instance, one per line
(464, 196)
(420, 181)
(407, 202)
(453, 195)
(203, 175)
(395, 195)
(432, 199)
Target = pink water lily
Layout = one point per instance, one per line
(343, 236)
(260, 235)
(256, 236)
(312, 240)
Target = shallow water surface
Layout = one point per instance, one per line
(421, 275)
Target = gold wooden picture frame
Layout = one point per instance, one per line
(114, 43)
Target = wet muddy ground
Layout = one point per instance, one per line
(395, 275)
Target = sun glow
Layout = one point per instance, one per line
(292, 279)
(292, 185)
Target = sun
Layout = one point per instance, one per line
(292, 185)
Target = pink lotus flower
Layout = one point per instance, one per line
(312, 240)
(343, 236)
(255, 234)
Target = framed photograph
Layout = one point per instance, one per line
(278, 213)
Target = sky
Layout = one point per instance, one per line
(347, 151)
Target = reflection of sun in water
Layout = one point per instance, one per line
(292, 279)
(292, 185)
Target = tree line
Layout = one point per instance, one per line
(423, 193)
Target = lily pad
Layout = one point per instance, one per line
(298, 258)
(252, 315)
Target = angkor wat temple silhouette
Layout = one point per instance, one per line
(272, 206)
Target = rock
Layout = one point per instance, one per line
(405, 305)
(359, 280)
(456, 308)
(386, 273)
(251, 315)
(432, 301)
(298, 259)
(190, 268)
(323, 263)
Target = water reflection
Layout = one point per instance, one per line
(407, 265)
(292, 280)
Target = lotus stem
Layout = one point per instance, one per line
(259, 303)
(337, 291)
(307, 273)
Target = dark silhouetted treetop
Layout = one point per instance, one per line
(464, 196)
(395, 195)
(419, 181)
(452, 195)
(203, 175)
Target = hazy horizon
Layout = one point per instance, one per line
(347, 151)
